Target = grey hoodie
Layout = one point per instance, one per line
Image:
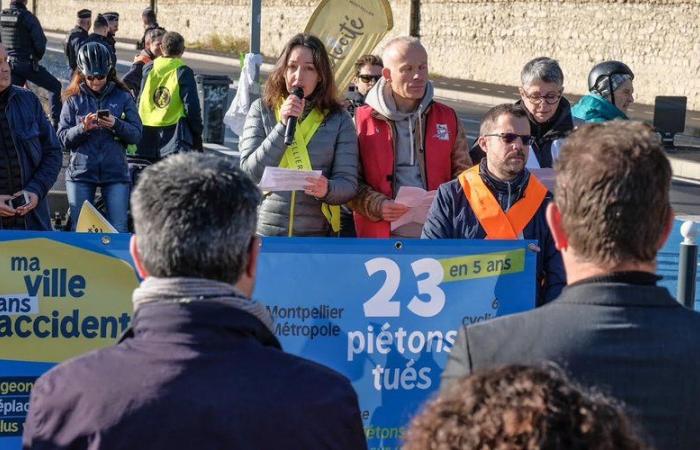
(408, 128)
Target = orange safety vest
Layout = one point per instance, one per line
(497, 223)
(377, 156)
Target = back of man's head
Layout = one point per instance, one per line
(173, 44)
(100, 25)
(612, 190)
(195, 216)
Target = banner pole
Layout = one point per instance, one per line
(687, 264)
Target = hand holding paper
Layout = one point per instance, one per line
(418, 202)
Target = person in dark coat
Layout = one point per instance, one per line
(171, 125)
(148, 16)
(113, 21)
(25, 41)
(30, 155)
(547, 110)
(507, 183)
(76, 38)
(612, 327)
(134, 77)
(200, 366)
(100, 28)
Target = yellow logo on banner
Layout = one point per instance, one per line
(58, 301)
(91, 221)
(350, 29)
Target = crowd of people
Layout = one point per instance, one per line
(599, 316)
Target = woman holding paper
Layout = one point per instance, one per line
(324, 140)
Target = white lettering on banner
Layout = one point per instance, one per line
(381, 304)
(415, 342)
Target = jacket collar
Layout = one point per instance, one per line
(200, 322)
(559, 125)
(609, 293)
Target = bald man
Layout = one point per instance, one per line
(405, 139)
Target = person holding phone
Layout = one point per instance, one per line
(324, 140)
(99, 119)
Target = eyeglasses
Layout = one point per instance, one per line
(96, 77)
(550, 99)
(368, 78)
(509, 138)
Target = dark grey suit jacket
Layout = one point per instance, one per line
(633, 342)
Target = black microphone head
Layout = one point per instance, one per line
(298, 91)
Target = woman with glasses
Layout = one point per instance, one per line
(301, 88)
(610, 93)
(99, 119)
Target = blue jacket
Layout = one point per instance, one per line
(38, 149)
(451, 217)
(594, 108)
(198, 375)
(99, 156)
(35, 33)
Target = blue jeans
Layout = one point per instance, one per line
(116, 196)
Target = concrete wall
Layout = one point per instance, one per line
(471, 39)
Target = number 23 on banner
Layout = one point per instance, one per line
(382, 304)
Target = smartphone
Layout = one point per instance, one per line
(102, 113)
(21, 200)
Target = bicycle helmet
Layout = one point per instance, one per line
(94, 59)
(605, 71)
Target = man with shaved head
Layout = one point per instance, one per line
(405, 139)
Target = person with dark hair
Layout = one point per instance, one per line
(77, 37)
(30, 156)
(99, 120)
(134, 77)
(324, 140)
(612, 326)
(405, 139)
(521, 407)
(611, 93)
(112, 18)
(169, 104)
(25, 42)
(100, 28)
(500, 199)
(200, 366)
(368, 70)
(148, 16)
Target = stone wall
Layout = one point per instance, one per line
(471, 39)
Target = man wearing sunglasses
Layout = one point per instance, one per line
(500, 199)
(368, 70)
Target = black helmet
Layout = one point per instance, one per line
(94, 59)
(606, 70)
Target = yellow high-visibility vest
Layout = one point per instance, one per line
(160, 104)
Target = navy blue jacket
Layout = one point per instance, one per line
(36, 36)
(451, 217)
(99, 156)
(38, 149)
(198, 375)
(185, 135)
(74, 41)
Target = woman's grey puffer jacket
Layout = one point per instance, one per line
(333, 150)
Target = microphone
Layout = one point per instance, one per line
(292, 121)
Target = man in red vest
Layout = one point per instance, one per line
(405, 139)
(500, 199)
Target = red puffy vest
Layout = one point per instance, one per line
(377, 155)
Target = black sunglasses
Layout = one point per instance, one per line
(368, 78)
(509, 138)
(95, 77)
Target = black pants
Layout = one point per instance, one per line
(22, 71)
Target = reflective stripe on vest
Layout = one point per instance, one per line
(160, 104)
(296, 156)
(497, 223)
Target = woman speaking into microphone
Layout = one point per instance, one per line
(323, 138)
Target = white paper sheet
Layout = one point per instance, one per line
(276, 179)
(418, 201)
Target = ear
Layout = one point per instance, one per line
(483, 143)
(134, 250)
(386, 73)
(668, 227)
(253, 254)
(554, 220)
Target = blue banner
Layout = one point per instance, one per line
(384, 313)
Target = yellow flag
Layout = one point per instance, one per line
(349, 29)
(91, 221)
